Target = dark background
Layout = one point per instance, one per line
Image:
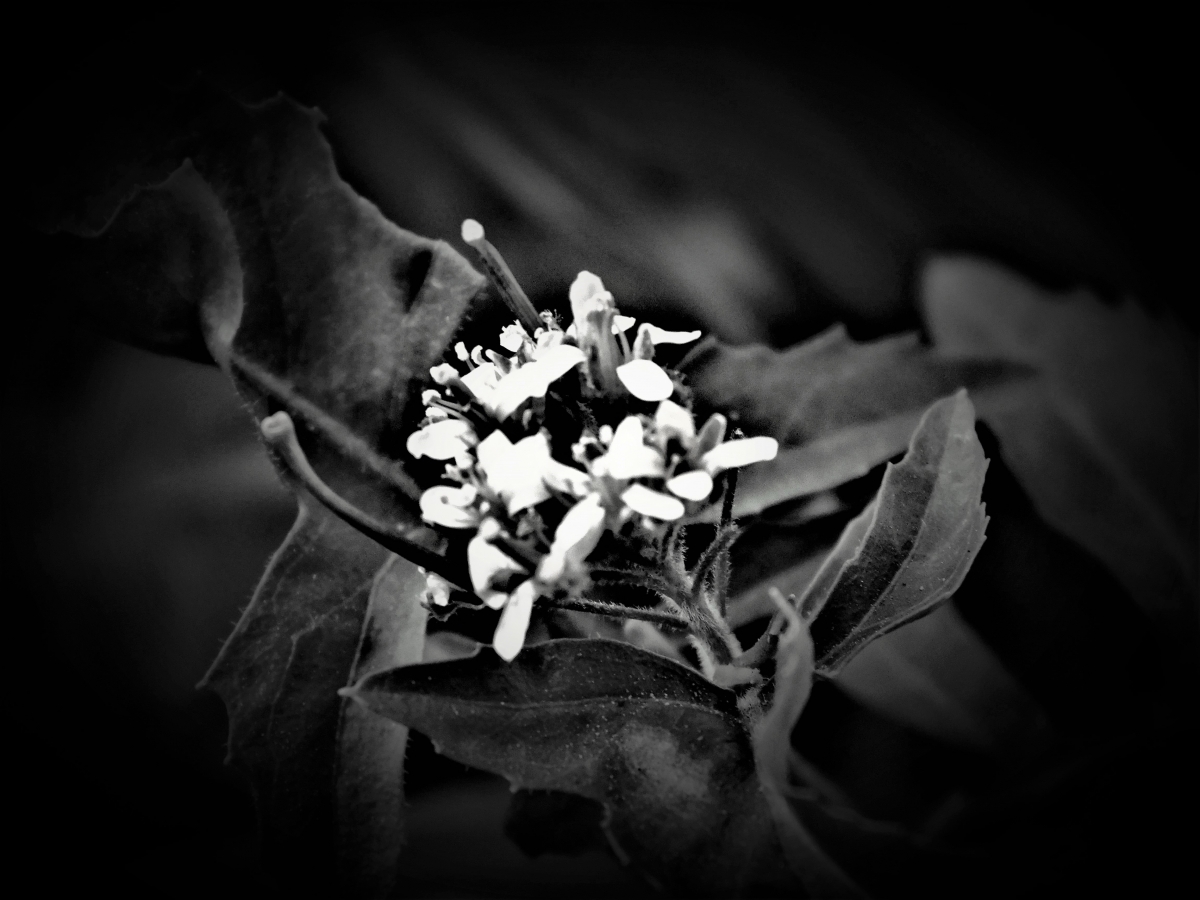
(805, 169)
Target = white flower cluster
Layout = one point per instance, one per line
(649, 469)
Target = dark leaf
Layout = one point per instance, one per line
(911, 547)
(278, 675)
(662, 748)
(837, 407)
(1106, 441)
(370, 760)
(554, 822)
(937, 676)
(255, 253)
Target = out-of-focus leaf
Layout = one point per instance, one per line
(255, 253)
(662, 748)
(370, 760)
(935, 675)
(278, 675)
(1106, 442)
(554, 822)
(772, 741)
(755, 602)
(911, 547)
(837, 407)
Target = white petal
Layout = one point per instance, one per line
(673, 420)
(650, 503)
(627, 456)
(442, 440)
(691, 485)
(574, 539)
(646, 380)
(449, 506)
(662, 336)
(494, 452)
(557, 360)
(624, 323)
(481, 381)
(514, 622)
(534, 379)
(567, 479)
(486, 562)
(547, 340)
(513, 337)
(732, 454)
(524, 485)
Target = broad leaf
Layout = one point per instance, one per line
(911, 547)
(937, 676)
(1106, 442)
(662, 748)
(256, 253)
(278, 674)
(837, 407)
(370, 761)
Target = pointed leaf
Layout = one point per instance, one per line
(278, 675)
(937, 676)
(837, 407)
(370, 760)
(662, 748)
(1106, 442)
(911, 547)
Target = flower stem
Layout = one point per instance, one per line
(616, 611)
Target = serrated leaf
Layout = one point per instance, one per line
(370, 755)
(911, 547)
(1106, 441)
(256, 254)
(278, 675)
(837, 407)
(937, 676)
(662, 748)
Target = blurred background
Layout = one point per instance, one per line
(754, 174)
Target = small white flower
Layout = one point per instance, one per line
(450, 506)
(628, 456)
(513, 337)
(574, 539)
(742, 452)
(697, 485)
(442, 440)
(654, 504)
(489, 565)
(509, 636)
(517, 472)
(646, 380)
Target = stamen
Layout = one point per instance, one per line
(501, 276)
